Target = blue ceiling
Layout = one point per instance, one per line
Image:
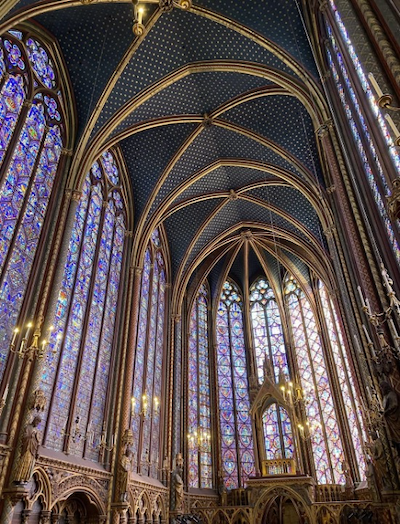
(93, 40)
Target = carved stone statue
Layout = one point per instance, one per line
(391, 413)
(30, 446)
(372, 481)
(268, 369)
(222, 491)
(347, 475)
(178, 484)
(378, 461)
(125, 472)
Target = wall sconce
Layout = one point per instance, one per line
(37, 347)
(199, 438)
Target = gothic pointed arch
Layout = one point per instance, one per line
(79, 362)
(36, 127)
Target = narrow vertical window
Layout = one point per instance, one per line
(346, 382)
(360, 131)
(267, 330)
(77, 372)
(31, 141)
(199, 426)
(322, 428)
(233, 392)
(147, 381)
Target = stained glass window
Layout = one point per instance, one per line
(199, 415)
(358, 125)
(322, 427)
(278, 436)
(31, 141)
(394, 154)
(147, 380)
(233, 392)
(267, 330)
(346, 382)
(85, 315)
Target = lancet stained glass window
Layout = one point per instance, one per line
(85, 315)
(358, 125)
(233, 391)
(394, 154)
(267, 330)
(147, 373)
(278, 436)
(31, 141)
(322, 427)
(199, 416)
(346, 382)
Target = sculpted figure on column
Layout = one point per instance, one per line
(30, 446)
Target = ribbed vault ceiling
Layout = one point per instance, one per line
(215, 110)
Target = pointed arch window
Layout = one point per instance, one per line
(233, 390)
(147, 381)
(32, 135)
(199, 414)
(267, 330)
(323, 426)
(278, 435)
(347, 387)
(77, 372)
(342, 47)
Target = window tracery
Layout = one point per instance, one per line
(31, 140)
(76, 374)
(267, 330)
(147, 381)
(199, 417)
(233, 391)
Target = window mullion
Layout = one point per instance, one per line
(100, 337)
(238, 459)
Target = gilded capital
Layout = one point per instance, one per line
(76, 195)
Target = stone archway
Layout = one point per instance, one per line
(78, 508)
(284, 510)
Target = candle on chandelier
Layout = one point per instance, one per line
(140, 15)
(15, 334)
(364, 305)
(396, 133)
(375, 85)
(28, 330)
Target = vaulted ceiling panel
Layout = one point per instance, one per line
(216, 143)
(278, 21)
(225, 178)
(182, 227)
(284, 120)
(147, 155)
(193, 94)
(93, 40)
(293, 203)
(179, 38)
